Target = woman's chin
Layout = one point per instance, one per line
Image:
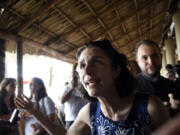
(93, 93)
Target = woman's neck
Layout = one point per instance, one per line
(116, 108)
(34, 97)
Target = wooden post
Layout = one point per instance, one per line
(2, 59)
(19, 48)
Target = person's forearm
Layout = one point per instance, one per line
(48, 125)
(172, 127)
(66, 96)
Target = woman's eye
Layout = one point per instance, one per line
(82, 66)
(97, 62)
(144, 58)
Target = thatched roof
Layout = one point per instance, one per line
(59, 27)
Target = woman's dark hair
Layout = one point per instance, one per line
(125, 82)
(3, 91)
(42, 91)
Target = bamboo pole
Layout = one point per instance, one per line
(19, 48)
(2, 59)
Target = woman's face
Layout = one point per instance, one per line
(10, 88)
(95, 72)
(34, 86)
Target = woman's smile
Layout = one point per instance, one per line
(92, 83)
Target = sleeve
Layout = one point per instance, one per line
(49, 106)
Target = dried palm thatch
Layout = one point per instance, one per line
(58, 27)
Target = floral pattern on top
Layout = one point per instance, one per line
(138, 122)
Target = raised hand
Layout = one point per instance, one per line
(25, 103)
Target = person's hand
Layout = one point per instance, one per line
(33, 126)
(25, 103)
(37, 130)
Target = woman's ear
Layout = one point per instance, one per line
(116, 72)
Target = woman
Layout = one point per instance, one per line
(72, 99)
(106, 80)
(7, 91)
(41, 100)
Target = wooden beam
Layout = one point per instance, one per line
(62, 37)
(110, 9)
(138, 18)
(34, 24)
(122, 21)
(119, 18)
(135, 29)
(96, 16)
(19, 48)
(27, 41)
(38, 15)
(2, 59)
(151, 23)
(145, 32)
(71, 22)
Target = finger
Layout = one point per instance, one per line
(21, 99)
(25, 98)
(19, 103)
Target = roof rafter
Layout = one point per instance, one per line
(119, 18)
(96, 16)
(71, 22)
(145, 32)
(38, 15)
(71, 45)
(27, 41)
(135, 29)
(34, 24)
(138, 18)
(151, 23)
(110, 9)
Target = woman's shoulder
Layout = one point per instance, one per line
(46, 99)
(157, 110)
(81, 125)
(84, 113)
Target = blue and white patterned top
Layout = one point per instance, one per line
(137, 123)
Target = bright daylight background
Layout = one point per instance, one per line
(53, 72)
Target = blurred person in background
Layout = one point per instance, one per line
(7, 94)
(72, 99)
(170, 72)
(44, 103)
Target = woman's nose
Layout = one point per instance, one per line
(87, 69)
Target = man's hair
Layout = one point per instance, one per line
(146, 42)
(125, 82)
